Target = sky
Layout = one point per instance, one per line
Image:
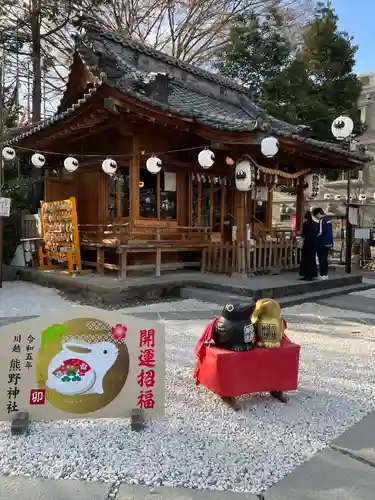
(357, 17)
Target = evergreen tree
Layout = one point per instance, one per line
(319, 83)
(311, 84)
(257, 49)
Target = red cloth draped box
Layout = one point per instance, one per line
(232, 374)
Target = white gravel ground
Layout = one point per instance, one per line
(178, 305)
(19, 298)
(202, 443)
(366, 293)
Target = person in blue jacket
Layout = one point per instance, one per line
(325, 240)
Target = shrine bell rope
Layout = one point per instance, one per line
(273, 171)
(280, 173)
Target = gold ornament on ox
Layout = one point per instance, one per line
(81, 365)
(268, 323)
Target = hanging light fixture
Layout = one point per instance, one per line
(109, 166)
(269, 147)
(244, 175)
(38, 160)
(153, 165)
(9, 154)
(71, 164)
(206, 158)
(229, 161)
(342, 127)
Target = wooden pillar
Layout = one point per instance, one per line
(158, 204)
(102, 181)
(300, 204)
(239, 214)
(199, 202)
(222, 208)
(134, 181)
(211, 215)
(269, 209)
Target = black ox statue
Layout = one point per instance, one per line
(233, 330)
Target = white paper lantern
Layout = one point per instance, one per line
(153, 165)
(269, 146)
(244, 175)
(71, 164)
(313, 185)
(38, 160)
(9, 154)
(342, 127)
(206, 158)
(109, 166)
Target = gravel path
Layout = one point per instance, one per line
(202, 443)
(19, 298)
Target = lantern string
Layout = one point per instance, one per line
(96, 155)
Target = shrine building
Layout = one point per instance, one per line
(127, 102)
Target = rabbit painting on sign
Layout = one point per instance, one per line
(74, 373)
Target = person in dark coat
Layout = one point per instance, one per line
(325, 240)
(308, 268)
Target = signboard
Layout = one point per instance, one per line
(4, 207)
(293, 222)
(82, 362)
(362, 233)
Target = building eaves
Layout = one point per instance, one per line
(38, 127)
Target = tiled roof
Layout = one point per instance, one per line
(114, 58)
(39, 126)
(116, 55)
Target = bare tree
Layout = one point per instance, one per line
(190, 29)
(38, 27)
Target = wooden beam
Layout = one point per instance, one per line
(212, 200)
(299, 204)
(190, 200)
(158, 207)
(199, 202)
(145, 111)
(269, 208)
(222, 207)
(134, 167)
(106, 125)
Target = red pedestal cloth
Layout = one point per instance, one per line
(229, 373)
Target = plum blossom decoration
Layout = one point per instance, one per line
(119, 332)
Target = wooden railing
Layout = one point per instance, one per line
(260, 256)
(122, 234)
(110, 234)
(129, 242)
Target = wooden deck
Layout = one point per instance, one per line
(126, 241)
(117, 247)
